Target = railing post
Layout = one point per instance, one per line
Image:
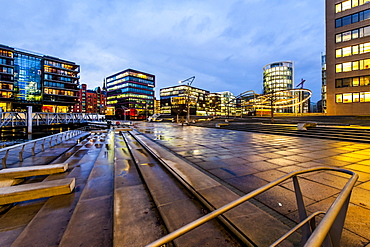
(21, 153)
(33, 149)
(306, 232)
(337, 227)
(4, 158)
(43, 145)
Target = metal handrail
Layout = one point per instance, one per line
(63, 135)
(328, 231)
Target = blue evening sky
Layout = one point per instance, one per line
(223, 43)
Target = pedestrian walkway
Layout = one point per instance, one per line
(246, 161)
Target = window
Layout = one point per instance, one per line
(355, 82)
(338, 68)
(346, 36)
(347, 98)
(356, 97)
(355, 65)
(338, 98)
(367, 96)
(347, 51)
(355, 34)
(348, 66)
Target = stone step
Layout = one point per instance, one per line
(176, 205)
(29, 171)
(48, 226)
(33, 191)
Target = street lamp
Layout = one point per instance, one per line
(188, 81)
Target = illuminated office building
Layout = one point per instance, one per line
(130, 95)
(175, 100)
(28, 79)
(348, 57)
(278, 76)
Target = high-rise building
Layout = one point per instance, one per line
(278, 76)
(130, 94)
(348, 57)
(29, 79)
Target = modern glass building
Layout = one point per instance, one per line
(278, 76)
(29, 79)
(348, 57)
(130, 94)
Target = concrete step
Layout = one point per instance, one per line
(135, 215)
(177, 207)
(44, 221)
(29, 171)
(33, 191)
(95, 206)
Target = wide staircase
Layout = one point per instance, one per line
(129, 191)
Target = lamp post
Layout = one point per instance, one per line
(188, 81)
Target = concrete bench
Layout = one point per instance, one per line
(29, 171)
(33, 191)
(304, 126)
(218, 125)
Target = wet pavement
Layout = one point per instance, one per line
(246, 161)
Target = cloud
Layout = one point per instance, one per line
(225, 44)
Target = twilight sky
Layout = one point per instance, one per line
(223, 43)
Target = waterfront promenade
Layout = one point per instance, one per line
(246, 161)
(242, 161)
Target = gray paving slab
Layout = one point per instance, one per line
(274, 155)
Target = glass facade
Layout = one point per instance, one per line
(278, 77)
(27, 78)
(130, 94)
(174, 100)
(45, 82)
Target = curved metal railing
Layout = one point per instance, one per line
(58, 138)
(328, 231)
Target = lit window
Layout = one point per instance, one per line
(355, 82)
(346, 5)
(356, 97)
(338, 53)
(347, 66)
(338, 98)
(347, 98)
(338, 38)
(362, 97)
(354, 3)
(338, 68)
(338, 8)
(347, 51)
(366, 64)
(367, 96)
(355, 34)
(354, 49)
(347, 36)
(355, 65)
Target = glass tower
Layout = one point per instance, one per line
(130, 94)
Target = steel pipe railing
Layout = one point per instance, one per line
(58, 139)
(328, 231)
(13, 119)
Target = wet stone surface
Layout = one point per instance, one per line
(247, 160)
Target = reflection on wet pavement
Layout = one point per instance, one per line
(247, 160)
